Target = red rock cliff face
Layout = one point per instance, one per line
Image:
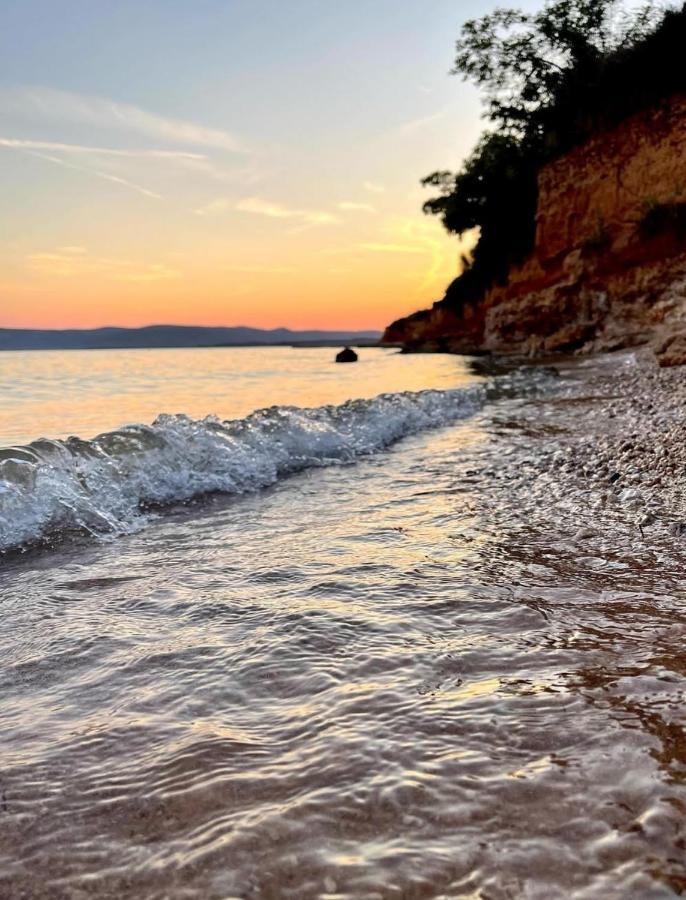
(609, 262)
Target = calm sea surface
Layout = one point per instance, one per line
(319, 653)
(83, 392)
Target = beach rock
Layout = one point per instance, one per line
(346, 355)
(671, 350)
(631, 498)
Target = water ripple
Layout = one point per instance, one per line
(329, 691)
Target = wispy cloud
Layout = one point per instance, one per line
(45, 103)
(203, 165)
(194, 163)
(420, 123)
(442, 254)
(153, 272)
(373, 187)
(430, 258)
(97, 173)
(277, 211)
(72, 250)
(351, 206)
(69, 262)
(82, 149)
(260, 270)
(214, 207)
(428, 239)
(392, 248)
(199, 151)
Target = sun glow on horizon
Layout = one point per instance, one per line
(177, 198)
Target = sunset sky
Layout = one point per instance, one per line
(226, 162)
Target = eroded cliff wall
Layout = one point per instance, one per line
(608, 267)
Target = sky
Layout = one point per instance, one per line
(227, 162)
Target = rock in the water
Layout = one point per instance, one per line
(346, 355)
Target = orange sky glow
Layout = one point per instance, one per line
(239, 169)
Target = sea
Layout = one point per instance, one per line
(276, 627)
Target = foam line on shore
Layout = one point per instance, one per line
(104, 485)
(53, 488)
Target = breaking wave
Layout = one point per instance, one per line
(108, 485)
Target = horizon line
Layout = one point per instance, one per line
(177, 325)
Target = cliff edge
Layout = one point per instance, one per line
(608, 266)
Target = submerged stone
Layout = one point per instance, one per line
(346, 355)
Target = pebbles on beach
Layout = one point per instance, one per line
(604, 455)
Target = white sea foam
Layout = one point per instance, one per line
(107, 485)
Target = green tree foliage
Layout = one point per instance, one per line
(527, 63)
(495, 192)
(548, 80)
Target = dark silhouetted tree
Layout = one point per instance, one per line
(548, 80)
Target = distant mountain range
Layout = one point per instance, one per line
(170, 336)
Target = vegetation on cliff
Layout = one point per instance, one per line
(550, 80)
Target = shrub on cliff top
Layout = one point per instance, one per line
(549, 80)
(528, 65)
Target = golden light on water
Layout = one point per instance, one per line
(58, 393)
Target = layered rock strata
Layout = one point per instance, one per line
(608, 268)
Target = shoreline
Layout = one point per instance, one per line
(516, 645)
(613, 458)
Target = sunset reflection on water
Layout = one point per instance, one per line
(83, 392)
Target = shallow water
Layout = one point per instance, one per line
(369, 680)
(59, 393)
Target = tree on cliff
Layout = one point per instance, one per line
(526, 64)
(548, 79)
(496, 185)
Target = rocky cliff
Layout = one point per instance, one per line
(608, 268)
